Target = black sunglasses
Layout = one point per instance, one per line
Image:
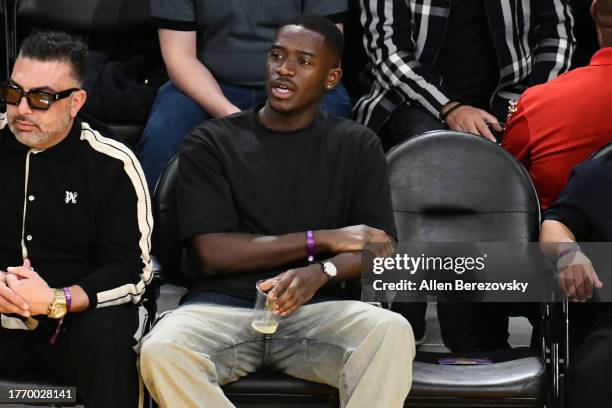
(12, 94)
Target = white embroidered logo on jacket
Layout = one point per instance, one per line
(71, 197)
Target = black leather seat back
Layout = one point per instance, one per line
(166, 239)
(87, 16)
(450, 186)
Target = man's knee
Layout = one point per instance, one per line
(394, 330)
(163, 347)
(396, 325)
(160, 357)
(154, 354)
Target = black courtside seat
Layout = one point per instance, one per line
(274, 389)
(455, 187)
(263, 389)
(516, 378)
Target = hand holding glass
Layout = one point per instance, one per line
(264, 320)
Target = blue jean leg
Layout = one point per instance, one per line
(337, 102)
(173, 115)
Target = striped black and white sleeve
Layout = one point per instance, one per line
(124, 228)
(389, 41)
(554, 39)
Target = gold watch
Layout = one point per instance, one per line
(58, 308)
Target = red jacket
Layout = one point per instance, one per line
(559, 124)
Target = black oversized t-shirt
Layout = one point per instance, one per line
(235, 175)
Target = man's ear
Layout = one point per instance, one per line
(333, 77)
(77, 101)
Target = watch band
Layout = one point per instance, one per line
(59, 297)
(68, 297)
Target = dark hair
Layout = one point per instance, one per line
(322, 25)
(57, 46)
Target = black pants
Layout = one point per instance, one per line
(590, 371)
(94, 352)
(469, 327)
(411, 120)
(407, 121)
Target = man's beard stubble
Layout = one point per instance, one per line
(41, 134)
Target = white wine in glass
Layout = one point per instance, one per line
(265, 326)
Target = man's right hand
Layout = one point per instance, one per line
(11, 302)
(355, 238)
(473, 120)
(576, 276)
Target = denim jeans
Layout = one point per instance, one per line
(364, 351)
(174, 115)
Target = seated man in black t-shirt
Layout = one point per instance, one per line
(583, 213)
(262, 195)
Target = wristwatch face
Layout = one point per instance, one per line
(330, 269)
(58, 308)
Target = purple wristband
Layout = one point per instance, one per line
(68, 299)
(568, 250)
(310, 245)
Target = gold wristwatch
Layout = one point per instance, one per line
(58, 308)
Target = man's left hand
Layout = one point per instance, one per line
(473, 120)
(291, 289)
(577, 277)
(24, 281)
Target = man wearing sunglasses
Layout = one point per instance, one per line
(74, 232)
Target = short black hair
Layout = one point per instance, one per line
(57, 46)
(322, 25)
